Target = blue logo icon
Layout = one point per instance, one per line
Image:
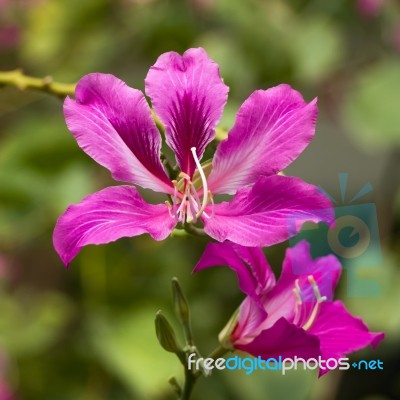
(354, 239)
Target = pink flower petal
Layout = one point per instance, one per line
(299, 265)
(105, 216)
(252, 269)
(251, 316)
(340, 333)
(272, 128)
(268, 213)
(283, 339)
(188, 96)
(112, 123)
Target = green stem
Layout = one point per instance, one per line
(190, 380)
(179, 233)
(190, 228)
(218, 352)
(191, 377)
(18, 79)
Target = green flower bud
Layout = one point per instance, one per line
(180, 302)
(165, 334)
(224, 336)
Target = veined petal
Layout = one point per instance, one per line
(250, 318)
(270, 212)
(254, 274)
(299, 265)
(282, 339)
(188, 95)
(272, 128)
(112, 123)
(340, 333)
(107, 215)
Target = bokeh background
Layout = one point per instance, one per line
(88, 333)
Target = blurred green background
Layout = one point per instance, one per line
(88, 333)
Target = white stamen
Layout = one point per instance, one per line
(171, 214)
(298, 309)
(320, 300)
(297, 292)
(315, 289)
(312, 318)
(203, 180)
(193, 206)
(182, 206)
(189, 215)
(174, 202)
(195, 195)
(205, 215)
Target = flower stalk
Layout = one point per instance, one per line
(18, 79)
(167, 339)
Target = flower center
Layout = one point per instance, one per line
(186, 204)
(304, 317)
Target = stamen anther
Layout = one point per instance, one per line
(184, 175)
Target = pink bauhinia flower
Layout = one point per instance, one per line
(113, 124)
(295, 316)
(370, 8)
(5, 389)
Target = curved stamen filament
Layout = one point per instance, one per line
(203, 181)
(174, 200)
(190, 217)
(298, 309)
(194, 193)
(186, 203)
(297, 294)
(297, 291)
(182, 208)
(312, 318)
(315, 289)
(191, 210)
(171, 213)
